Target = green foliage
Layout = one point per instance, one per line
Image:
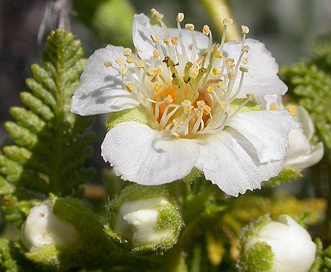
(48, 147)
(11, 260)
(110, 20)
(310, 85)
(322, 261)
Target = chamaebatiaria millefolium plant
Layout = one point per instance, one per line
(194, 128)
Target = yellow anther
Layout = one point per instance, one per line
(169, 99)
(158, 71)
(214, 81)
(230, 62)
(167, 40)
(154, 78)
(130, 87)
(210, 89)
(244, 29)
(150, 72)
(174, 40)
(187, 105)
(153, 12)
(216, 71)
(157, 88)
(218, 54)
(127, 52)
(155, 38)
(292, 109)
(231, 76)
(180, 17)
(159, 16)
(273, 107)
(156, 54)
(245, 48)
(107, 64)
(120, 62)
(123, 70)
(141, 64)
(189, 27)
(206, 30)
(130, 59)
(243, 69)
(227, 21)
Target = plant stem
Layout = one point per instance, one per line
(219, 10)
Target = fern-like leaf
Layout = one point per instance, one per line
(49, 146)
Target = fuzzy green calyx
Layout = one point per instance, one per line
(137, 114)
(144, 219)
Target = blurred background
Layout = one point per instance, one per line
(288, 28)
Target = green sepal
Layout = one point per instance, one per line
(286, 175)
(249, 106)
(259, 258)
(137, 114)
(192, 176)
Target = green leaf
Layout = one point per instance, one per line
(49, 145)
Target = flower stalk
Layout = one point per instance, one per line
(218, 10)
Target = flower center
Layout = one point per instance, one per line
(187, 90)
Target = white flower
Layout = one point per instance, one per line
(198, 101)
(43, 227)
(291, 247)
(301, 154)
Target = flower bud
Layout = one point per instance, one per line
(301, 153)
(43, 227)
(144, 219)
(277, 246)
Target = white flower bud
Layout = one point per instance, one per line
(144, 219)
(277, 246)
(139, 220)
(43, 227)
(300, 153)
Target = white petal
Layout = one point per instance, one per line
(261, 78)
(142, 31)
(228, 160)
(142, 155)
(304, 118)
(303, 161)
(266, 130)
(101, 89)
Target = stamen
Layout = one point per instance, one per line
(206, 30)
(189, 27)
(130, 59)
(130, 87)
(292, 109)
(127, 52)
(156, 54)
(180, 17)
(273, 107)
(226, 23)
(108, 64)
